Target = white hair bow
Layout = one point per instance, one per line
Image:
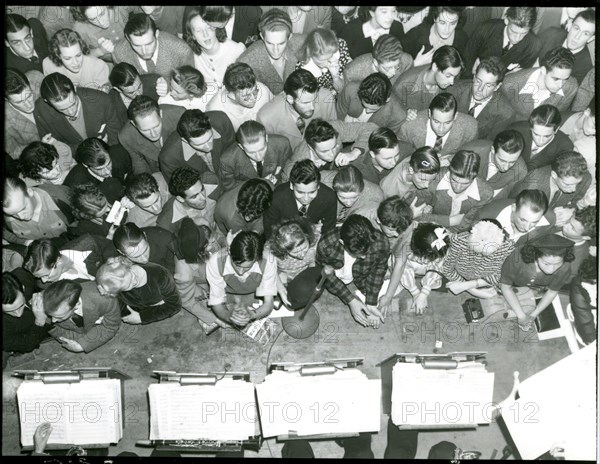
(439, 242)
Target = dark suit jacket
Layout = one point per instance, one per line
(144, 153)
(418, 37)
(390, 115)
(162, 247)
(501, 180)
(171, 155)
(94, 307)
(322, 208)
(553, 38)
(40, 45)
(245, 24)
(540, 179)
(227, 216)
(487, 41)
(236, 167)
(148, 89)
(560, 143)
(495, 116)
(97, 110)
(358, 44)
(98, 248)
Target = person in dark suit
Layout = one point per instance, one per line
(83, 318)
(371, 100)
(439, 28)
(576, 40)
(128, 84)
(482, 98)
(382, 156)
(198, 143)
(564, 182)
(342, 15)
(551, 84)
(255, 155)
(501, 163)
(242, 208)
(543, 140)
(360, 34)
(26, 43)
(100, 165)
(305, 196)
(72, 116)
(510, 38)
(441, 127)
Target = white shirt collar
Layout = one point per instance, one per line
(188, 151)
(229, 270)
(471, 192)
(372, 33)
(504, 219)
(154, 56)
(531, 87)
(430, 136)
(229, 25)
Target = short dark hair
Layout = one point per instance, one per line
(380, 138)
(300, 80)
(87, 200)
(522, 16)
(425, 160)
(35, 157)
(318, 131)
(65, 38)
(588, 270)
(58, 292)
(588, 15)
(11, 287)
(387, 48)
(127, 235)
(208, 14)
(545, 115)
(443, 102)
(190, 79)
(358, 234)
(510, 140)
(571, 164)
(41, 254)
(275, 19)
(56, 87)
(140, 186)
(193, 123)
(15, 82)
(254, 198)
(395, 212)
(249, 132)
(558, 58)
(239, 76)
(534, 198)
(493, 65)
(421, 242)
(465, 164)
(142, 105)
(14, 23)
(348, 179)
(447, 57)
(531, 252)
(587, 217)
(92, 152)
(375, 89)
(182, 179)
(138, 24)
(304, 172)
(123, 75)
(246, 246)
(436, 11)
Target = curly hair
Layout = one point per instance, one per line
(375, 89)
(35, 157)
(587, 217)
(87, 201)
(206, 13)
(588, 270)
(422, 239)
(182, 179)
(290, 233)
(65, 38)
(530, 253)
(358, 234)
(254, 198)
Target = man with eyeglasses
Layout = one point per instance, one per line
(26, 43)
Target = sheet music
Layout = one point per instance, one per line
(225, 411)
(343, 402)
(87, 412)
(439, 397)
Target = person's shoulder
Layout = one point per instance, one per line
(94, 96)
(279, 141)
(463, 119)
(158, 233)
(410, 75)
(172, 143)
(232, 153)
(169, 39)
(327, 193)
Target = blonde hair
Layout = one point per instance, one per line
(488, 233)
(319, 42)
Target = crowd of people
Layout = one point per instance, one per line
(168, 158)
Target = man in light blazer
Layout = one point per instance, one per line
(441, 127)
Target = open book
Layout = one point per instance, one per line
(343, 402)
(83, 413)
(225, 411)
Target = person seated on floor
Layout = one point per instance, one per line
(145, 197)
(474, 260)
(191, 197)
(24, 324)
(303, 196)
(584, 300)
(83, 319)
(39, 163)
(242, 96)
(582, 230)
(242, 208)
(387, 58)
(246, 268)
(382, 158)
(541, 264)
(256, 154)
(194, 246)
(429, 246)
(186, 87)
(150, 244)
(353, 192)
(147, 290)
(294, 245)
(371, 100)
(100, 165)
(564, 182)
(458, 194)
(355, 258)
(91, 208)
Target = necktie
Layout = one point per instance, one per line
(150, 66)
(303, 210)
(77, 320)
(505, 49)
(472, 110)
(438, 143)
(343, 212)
(34, 59)
(555, 197)
(325, 167)
(259, 168)
(300, 124)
